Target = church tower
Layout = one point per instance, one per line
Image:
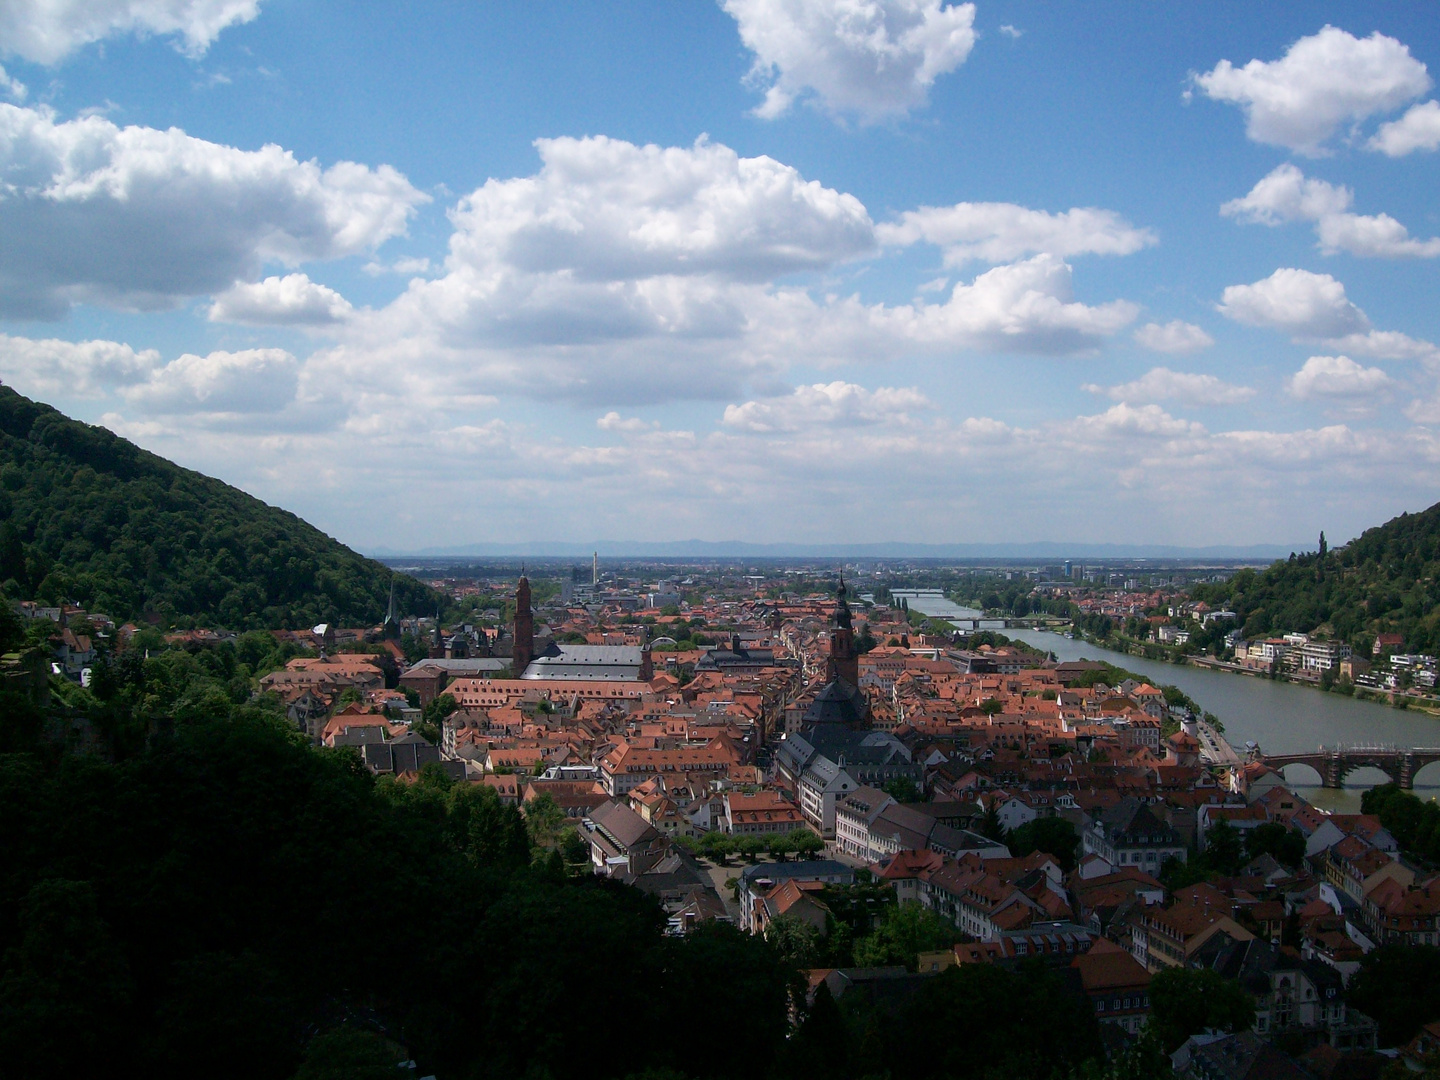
(524, 650)
(390, 629)
(437, 641)
(844, 661)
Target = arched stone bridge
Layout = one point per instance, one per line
(1334, 762)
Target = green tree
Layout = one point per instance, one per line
(544, 821)
(1224, 848)
(1053, 835)
(350, 1054)
(794, 940)
(820, 1049)
(718, 846)
(1399, 986)
(974, 1022)
(750, 847)
(435, 715)
(902, 789)
(905, 931)
(990, 826)
(1274, 838)
(65, 986)
(1187, 1001)
(806, 842)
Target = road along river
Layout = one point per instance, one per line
(1281, 717)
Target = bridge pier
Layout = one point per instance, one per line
(1333, 775)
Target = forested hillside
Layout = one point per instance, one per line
(87, 516)
(1385, 581)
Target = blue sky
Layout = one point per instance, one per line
(766, 270)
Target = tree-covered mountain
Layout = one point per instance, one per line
(1385, 581)
(88, 516)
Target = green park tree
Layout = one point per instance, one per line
(1187, 1001)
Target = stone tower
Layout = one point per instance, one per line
(844, 661)
(524, 650)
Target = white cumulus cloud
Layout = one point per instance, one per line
(248, 381)
(1174, 337)
(1418, 129)
(1336, 377)
(607, 210)
(1301, 303)
(1162, 384)
(77, 369)
(613, 421)
(1322, 82)
(827, 405)
(1128, 423)
(1386, 345)
(1286, 194)
(142, 218)
(292, 300)
(869, 58)
(1002, 232)
(12, 87)
(1023, 307)
(46, 31)
(1314, 308)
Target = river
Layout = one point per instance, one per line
(1281, 717)
(933, 604)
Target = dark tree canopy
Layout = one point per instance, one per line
(1051, 835)
(1187, 1001)
(1398, 985)
(86, 515)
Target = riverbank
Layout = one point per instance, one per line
(1277, 716)
(1429, 706)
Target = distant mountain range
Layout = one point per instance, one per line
(723, 549)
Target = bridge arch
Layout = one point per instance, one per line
(1428, 776)
(1388, 767)
(1300, 773)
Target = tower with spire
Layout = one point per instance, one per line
(390, 629)
(844, 662)
(437, 641)
(524, 649)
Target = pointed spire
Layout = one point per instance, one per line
(390, 628)
(842, 608)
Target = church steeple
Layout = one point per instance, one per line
(437, 646)
(524, 649)
(390, 628)
(844, 661)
